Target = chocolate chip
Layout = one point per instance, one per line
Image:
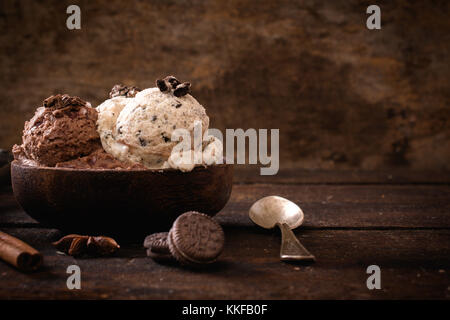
(170, 83)
(161, 84)
(174, 82)
(178, 105)
(142, 142)
(182, 89)
(119, 130)
(154, 118)
(166, 139)
(125, 91)
(167, 84)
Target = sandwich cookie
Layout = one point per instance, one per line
(195, 239)
(158, 246)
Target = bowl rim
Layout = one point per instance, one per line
(201, 167)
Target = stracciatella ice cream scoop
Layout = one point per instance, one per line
(139, 129)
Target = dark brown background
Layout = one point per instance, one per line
(343, 96)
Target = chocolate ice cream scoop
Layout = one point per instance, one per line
(62, 129)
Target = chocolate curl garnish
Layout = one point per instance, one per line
(60, 101)
(132, 92)
(161, 84)
(182, 89)
(18, 253)
(170, 83)
(167, 84)
(75, 245)
(125, 91)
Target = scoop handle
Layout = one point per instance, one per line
(291, 248)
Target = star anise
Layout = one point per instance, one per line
(75, 245)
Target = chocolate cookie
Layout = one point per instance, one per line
(160, 257)
(196, 239)
(158, 246)
(157, 242)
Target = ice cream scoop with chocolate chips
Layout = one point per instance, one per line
(139, 129)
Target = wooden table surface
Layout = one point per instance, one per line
(399, 221)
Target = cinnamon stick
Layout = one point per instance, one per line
(18, 253)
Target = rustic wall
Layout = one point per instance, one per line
(342, 96)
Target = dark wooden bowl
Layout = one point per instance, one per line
(126, 204)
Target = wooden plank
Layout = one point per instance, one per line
(251, 174)
(414, 264)
(325, 206)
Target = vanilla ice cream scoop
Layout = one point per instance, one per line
(108, 112)
(139, 129)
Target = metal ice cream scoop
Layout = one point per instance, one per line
(274, 211)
